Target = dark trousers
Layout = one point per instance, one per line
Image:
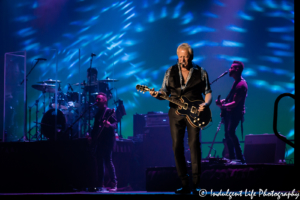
(103, 160)
(178, 124)
(231, 121)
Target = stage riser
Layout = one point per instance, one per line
(54, 166)
(235, 178)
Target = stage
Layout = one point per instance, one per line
(64, 168)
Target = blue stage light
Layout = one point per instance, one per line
(209, 14)
(279, 45)
(228, 43)
(26, 32)
(245, 16)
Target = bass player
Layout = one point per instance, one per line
(233, 110)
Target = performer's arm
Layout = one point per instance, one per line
(112, 122)
(163, 90)
(206, 90)
(237, 97)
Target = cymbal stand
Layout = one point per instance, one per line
(25, 120)
(44, 105)
(36, 117)
(30, 128)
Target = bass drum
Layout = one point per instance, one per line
(48, 125)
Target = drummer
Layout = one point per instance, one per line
(92, 74)
(94, 86)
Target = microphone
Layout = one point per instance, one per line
(70, 87)
(93, 104)
(40, 59)
(226, 72)
(93, 54)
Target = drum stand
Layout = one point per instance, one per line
(71, 126)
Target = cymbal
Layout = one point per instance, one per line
(85, 84)
(59, 106)
(45, 88)
(50, 81)
(108, 80)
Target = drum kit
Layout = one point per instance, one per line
(71, 107)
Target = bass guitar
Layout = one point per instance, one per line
(188, 108)
(95, 139)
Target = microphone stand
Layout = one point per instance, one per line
(221, 122)
(89, 91)
(219, 77)
(37, 61)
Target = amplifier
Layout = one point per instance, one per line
(138, 124)
(157, 120)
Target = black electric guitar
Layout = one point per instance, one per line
(94, 143)
(187, 108)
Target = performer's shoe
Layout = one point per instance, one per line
(195, 191)
(113, 189)
(243, 161)
(183, 190)
(101, 190)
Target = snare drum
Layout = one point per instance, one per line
(61, 101)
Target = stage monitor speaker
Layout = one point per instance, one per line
(263, 148)
(138, 124)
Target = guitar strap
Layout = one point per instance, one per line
(104, 114)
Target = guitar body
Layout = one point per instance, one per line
(194, 118)
(94, 143)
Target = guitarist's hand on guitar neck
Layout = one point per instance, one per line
(106, 123)
(220, 102)
(153, 93)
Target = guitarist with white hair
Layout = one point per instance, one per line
(186, 79)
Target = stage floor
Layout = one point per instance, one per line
(43, 168)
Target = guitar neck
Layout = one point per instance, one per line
(175, 101)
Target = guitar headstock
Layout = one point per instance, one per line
(142, 88)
